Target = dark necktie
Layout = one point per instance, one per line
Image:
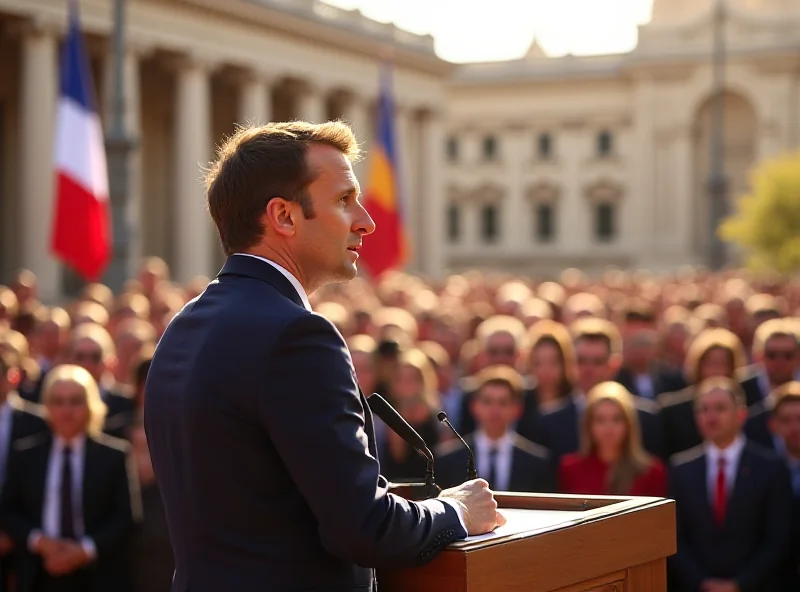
(67, 522)
(721, 493)
(491, 474)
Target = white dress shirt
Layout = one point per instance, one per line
(304, 297)
(645, 387)
(6, 425)
(503, 458)
(731, 454)
(293, 280)
(51, 510)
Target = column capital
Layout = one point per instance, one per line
(247, 74)
(36, 26)
(192, 60)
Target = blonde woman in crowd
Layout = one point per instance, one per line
(611, 460)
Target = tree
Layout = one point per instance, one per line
(766, 224)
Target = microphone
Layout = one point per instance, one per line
(473, 474)
(400, 426)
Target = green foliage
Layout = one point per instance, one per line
(767, 221)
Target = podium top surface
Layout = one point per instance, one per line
(532, 515)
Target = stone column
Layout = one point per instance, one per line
(357, 114)
(311, 103)
(133, 125)
(515, 211)
(193, 228)
(684, 197)
(38, 97)
(432, 197)
(255, 98)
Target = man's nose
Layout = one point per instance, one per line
(364, 224)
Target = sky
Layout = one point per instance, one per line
(487, 30)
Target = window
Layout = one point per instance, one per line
(545, 223)
(605, 143)
(452, 149)
(544, 146)
(453, 223)
(605, 223)
(489, 148)
(489, 223)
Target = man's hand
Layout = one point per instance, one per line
(69, 557)
(46, 546)
(478, 504)
(713, 585)
(6, 544)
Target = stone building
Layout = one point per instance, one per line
(529, 165)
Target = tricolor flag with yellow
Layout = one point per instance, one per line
(386, 248)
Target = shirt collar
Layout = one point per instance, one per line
(501, 445)
(77, 444)
(730, 454)
(293, 280)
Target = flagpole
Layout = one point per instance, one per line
(119, 145)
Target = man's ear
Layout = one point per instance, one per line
(279, 217)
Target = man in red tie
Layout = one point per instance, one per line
(732, 500)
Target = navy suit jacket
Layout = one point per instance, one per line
(264, 451)
(753, 541)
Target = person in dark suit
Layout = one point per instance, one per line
(261, 443)
(598, 349)
(19, 419)
(505, 459)
(93, 348)
(732, 501)
(713, 353)
(71, 499)
(775, 424)
(551, 363)
(611, 460)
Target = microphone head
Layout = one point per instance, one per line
(441, 416)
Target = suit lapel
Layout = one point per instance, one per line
(742, 478)
(90, 465)
(39, 484)
(369, 425)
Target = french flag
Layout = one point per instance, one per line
(81, 227)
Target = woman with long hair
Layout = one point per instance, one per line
(611, 460)
(413, 392)
(551, 366)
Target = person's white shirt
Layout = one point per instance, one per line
(504, 452)
(51, 509)
(731, 454)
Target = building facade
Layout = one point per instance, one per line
(605, 160)
(193, 69)
(531, 165)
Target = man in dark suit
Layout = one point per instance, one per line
(598, 352)
(19, 419)
(505, 459)
(72, 497)
(732, 501)
(261, 443)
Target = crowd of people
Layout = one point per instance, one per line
(686, 386)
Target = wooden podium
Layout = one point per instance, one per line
(555, 543)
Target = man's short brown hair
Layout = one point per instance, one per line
(259, 163)
(504, 376)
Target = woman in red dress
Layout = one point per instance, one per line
(611, 460)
